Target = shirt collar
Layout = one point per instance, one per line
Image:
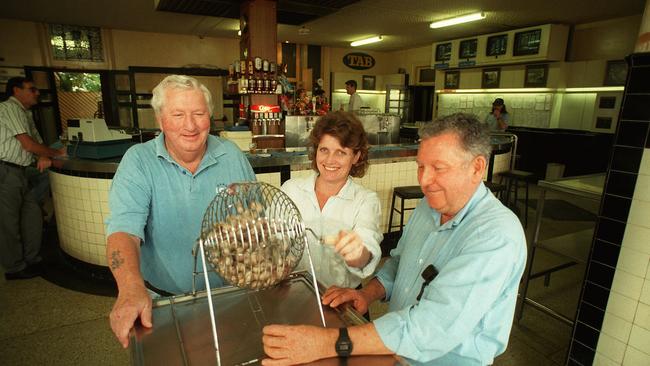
(478, 195)
(14, 100)
(214, 150)
(346, 192)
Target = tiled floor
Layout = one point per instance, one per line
(62, 320)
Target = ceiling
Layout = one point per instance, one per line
(402, 23)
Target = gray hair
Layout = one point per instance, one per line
(474, 136)
(178, 82)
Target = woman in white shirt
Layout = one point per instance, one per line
(344, 215)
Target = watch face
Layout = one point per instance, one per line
(343, 343)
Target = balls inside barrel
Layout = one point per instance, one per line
(253, 235)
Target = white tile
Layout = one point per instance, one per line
(642, 318)
(616, 327)
(602, 360)
(645, 292)
(621, 306)
(639, 211)
(611, 348)
(645, 162)
(640, 338)
(635, 356)
(633, 261)
(636, 237)
(642, 188)
(627, 284)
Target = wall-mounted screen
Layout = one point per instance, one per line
(443, 52)
(497, 45)
(467, 48)
(527, 43)
(427, 75)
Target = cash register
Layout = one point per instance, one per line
(90, 138)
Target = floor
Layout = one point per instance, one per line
(61, 318)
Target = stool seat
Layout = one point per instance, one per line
(408, 192)
(513, 179)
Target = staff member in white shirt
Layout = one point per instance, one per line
(342, 213)
(20, 144)
(355, 100)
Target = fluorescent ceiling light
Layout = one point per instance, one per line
(458, 20)
(366, 41)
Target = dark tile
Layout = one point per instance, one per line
(640, 59)
(595, 295)
(586, 335)
(632, 133)
(615, 207)
(621, 184)
(635, 107)
(605, 253)
(610, 230)
(581, 353)
(627, 159)
(591, 315)
(639, 80)
(600, 274)
(572, 362)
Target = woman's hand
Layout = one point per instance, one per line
(351, 248)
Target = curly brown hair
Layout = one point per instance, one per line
(346, 128)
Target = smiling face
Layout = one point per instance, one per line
(333, 160)
(185, 121)
(448, 175)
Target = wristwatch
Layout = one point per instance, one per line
(343, 344)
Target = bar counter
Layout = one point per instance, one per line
(80, 188)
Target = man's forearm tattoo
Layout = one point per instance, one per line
(116, 260)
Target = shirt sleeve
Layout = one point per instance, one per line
(454, 302)
(129, 197)
(366, 224)
(15, 119)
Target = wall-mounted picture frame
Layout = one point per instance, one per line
(536, 76)
(443, 52)
(496, 45)
(615, 73)
(368, 82)
(491, 78)
(452, 79)
(468, 48)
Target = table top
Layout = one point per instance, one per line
(589, 186)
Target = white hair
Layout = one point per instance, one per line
(178, 82)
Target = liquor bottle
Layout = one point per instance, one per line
(251, 80)
(266, 85)
(272, 77)
(243, 83)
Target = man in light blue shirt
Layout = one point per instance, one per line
(475, 252)
(158, 197)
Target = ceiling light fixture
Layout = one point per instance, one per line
(458, 20)
(361, 42)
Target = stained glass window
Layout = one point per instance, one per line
(76, 43)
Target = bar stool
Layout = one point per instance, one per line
(516, 179)
(403, 193)
(497, 189)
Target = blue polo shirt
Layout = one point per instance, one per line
(159, 201)
(465, 314)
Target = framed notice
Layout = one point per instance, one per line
(443, 52)
(491, 78)
(467, 48)
(452, 79)
(368, 82)
(527, 43)
(615, 73)
(497, 45)
(536, 76)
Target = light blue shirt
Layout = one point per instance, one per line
(493, 124)
(159, 201)
(466, 312)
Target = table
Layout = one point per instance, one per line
(571, 246)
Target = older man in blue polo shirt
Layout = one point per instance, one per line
(470, 248)
(158, 197)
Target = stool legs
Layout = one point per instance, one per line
(392, 210)
(401, 216)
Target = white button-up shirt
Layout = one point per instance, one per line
(353, 208)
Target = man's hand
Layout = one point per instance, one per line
(335, 296)
(62, 152)
(291, 345)
(132, 302)
(351, 248)
(43, 163)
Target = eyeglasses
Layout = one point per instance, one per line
(33, 89)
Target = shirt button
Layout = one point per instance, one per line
(420, 261)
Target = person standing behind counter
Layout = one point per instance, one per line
(158, 197)
(498, 118)
(343, 213)
(22, 219)
(355, 102)
(470, 248)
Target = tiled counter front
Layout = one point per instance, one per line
(81, 206)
